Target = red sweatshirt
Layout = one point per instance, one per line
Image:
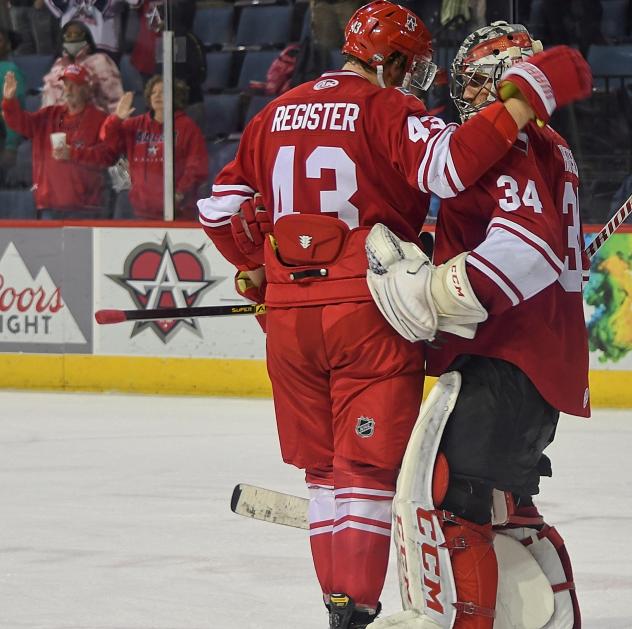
(60, 184)
(141, 139)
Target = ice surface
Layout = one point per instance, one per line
(114, 514)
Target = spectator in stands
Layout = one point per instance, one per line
(189, 61)
(35, 25)
(9, 139)
(141, 140)
(78, 49)
(62, 190)
(103, 19)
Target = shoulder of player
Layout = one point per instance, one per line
(398, 98)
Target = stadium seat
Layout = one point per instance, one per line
(130, 76)
(255, 67)
(34, 67)
(214, 26)
(256, 104)
(220, 153)
(17, 205)
(219, 68)
(33, 102)
(614, 19)
(276, 19)
(611, 65)
(222, 114)
(24, 164)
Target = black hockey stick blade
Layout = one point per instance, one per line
(105, 317)
(269, 506)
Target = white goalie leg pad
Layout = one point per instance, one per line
(409, 619)
(524, 599)
(543, 547)
(425, 572)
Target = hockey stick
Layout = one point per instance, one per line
(161, 314)
(609, 228)
(269, 506)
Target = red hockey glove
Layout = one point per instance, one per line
(548, 80)
(250, 227)
(245, 287)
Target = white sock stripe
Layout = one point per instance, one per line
(370, 509)
(351, 524)
(321, 530)
(363, 491)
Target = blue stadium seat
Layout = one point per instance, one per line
(33, 102)
(610, 62)
(264, 26)
(255, 67)
(34, 68)
(218, 74)
(614, 19)
(130, 76)
(222, 114)
(17, 204)
(336, 59)
(24, 164)
(256, 104)
(220, 153)
(214, 26)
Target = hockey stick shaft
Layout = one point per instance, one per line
(161, 314)
(610, 227)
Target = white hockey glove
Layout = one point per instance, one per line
(415, 297)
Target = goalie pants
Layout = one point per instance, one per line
(347, 390)
(495, 436)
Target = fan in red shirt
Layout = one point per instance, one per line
(62, 189)
(513, 247)
(141, 140)
(331, 158)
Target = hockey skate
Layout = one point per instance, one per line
(343, 613)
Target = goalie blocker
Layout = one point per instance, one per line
(458, 568)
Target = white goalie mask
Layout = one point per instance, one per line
(482, 59)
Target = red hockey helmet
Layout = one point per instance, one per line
(379, 29)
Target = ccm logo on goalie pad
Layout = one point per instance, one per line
(454, 276)
(430, 559)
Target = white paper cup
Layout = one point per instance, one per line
(58, 140)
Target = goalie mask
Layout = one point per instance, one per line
(379, 30)
(482, 59)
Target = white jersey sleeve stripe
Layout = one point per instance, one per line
(535, 241)
(218, 210)
(518, 260)
(483, 267)
(454, 175)
(537, 80)
(233, 188)
(432, 176)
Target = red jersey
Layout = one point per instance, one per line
(346, 148)
(523, 229)
(60, 184)
(141, 139)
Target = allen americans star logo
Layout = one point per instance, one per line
(165, 276)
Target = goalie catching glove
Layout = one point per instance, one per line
(416, 297)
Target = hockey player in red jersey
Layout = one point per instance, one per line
(512, 249)
(331, 158)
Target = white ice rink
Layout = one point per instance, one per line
(114, 514)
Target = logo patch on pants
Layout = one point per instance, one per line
(365, 427)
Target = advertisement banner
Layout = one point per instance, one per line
(46, 290)
(608, 305)
(145, 268)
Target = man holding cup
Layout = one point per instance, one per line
(62, 189)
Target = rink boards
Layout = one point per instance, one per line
(54, 277)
